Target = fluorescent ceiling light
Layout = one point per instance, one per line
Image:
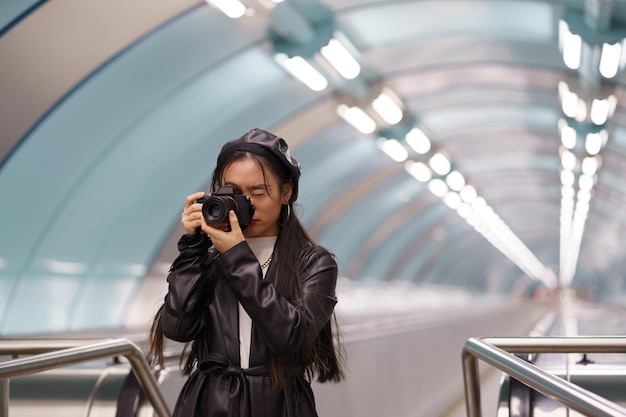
(582, 196)
(341, 59)
(567, 206)
(470, 216)
(455, 180)
(479, 204)
(569, 103)
(594, 142)
(231, 8)
(568, 160)
(394, 149)
(468, 193)
(438, 187)
(419, 170)
(488, 215)
(610, 59)
(585, 182)
(589, 165)
(601, 110)
(452, 200)
(464, 210)
(357, 118)
(300, 69)
(568, 178)
(571, 45)
(567, 192)
(440, 164)
(418, 140)
(386, 105)
(563, 88)
(568, 137)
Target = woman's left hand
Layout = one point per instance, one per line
(223, 240)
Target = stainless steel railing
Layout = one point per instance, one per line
(73, 352)
(491, 351)
(34, 346)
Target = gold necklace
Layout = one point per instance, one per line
(266, 263)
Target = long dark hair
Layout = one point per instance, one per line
(326, 351)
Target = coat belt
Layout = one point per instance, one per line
(239, 392)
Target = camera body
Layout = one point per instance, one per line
(215, 206)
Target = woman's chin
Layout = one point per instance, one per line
(258, 230)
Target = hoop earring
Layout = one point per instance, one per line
(283, 224)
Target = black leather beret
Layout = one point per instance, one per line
(266, 144)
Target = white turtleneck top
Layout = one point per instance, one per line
(262, 247)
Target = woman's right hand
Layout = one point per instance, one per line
(191, 218)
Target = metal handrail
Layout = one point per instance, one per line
(79, 354)
(571, 395)
(34, 346)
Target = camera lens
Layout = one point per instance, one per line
(215, 209)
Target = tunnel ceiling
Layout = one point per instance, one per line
(112, 112)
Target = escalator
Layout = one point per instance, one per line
(585, 347)
(86, 378)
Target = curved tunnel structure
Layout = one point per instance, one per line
(111, 116)
(499, 177)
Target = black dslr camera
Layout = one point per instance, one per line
(215, 206)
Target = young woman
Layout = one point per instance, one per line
(256, 305)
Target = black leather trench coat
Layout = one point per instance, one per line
(219, 387)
